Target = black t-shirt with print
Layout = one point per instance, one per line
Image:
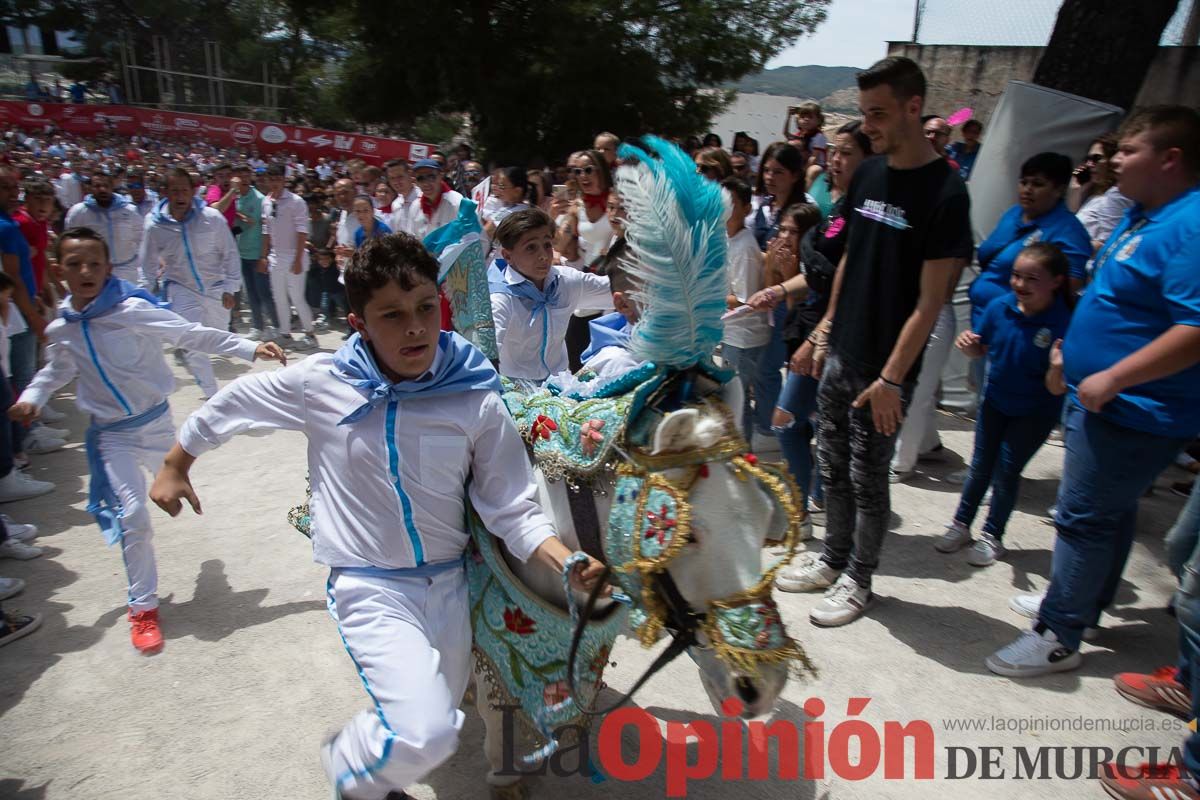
(896, 220)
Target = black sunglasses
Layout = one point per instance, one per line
(577, 171)
(1094, 158)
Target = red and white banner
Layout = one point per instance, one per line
(268, 137)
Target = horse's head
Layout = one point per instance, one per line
(702, 516)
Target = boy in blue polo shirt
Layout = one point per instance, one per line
(1132, 364)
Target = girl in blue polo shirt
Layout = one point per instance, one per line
(1021, 335)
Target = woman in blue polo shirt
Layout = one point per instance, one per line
(1021, 335)
(1040, 215)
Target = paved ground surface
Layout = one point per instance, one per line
(253, 674)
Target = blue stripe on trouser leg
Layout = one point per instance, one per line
(409, 639)
(126, 456)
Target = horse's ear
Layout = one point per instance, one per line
(676, 431)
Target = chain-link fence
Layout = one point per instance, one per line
(1012, 22)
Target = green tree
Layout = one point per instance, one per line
(543, 76)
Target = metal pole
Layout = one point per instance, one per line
(208, 72)
(220, 81)
(917, 14)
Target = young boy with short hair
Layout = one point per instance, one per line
(404, 423)
(533, 298)
(109, 340)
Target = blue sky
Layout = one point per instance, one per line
(854, 34)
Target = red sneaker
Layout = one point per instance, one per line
(1159, 690)
(144, 631)
(1148, 782)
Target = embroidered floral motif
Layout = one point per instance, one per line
(516, 622)
(660, 524)
(555, 693)
(543, 426)
(590, 435)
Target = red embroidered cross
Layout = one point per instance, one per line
(660, 524)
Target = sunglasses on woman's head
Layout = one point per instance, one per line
(577, 171)
(1094, 158)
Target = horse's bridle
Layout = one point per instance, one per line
(680, 619)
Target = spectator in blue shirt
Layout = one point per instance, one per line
(1040, 215)
(1132, 364)
(966, 151)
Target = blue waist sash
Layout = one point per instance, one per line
(423, 571)
(103, 503)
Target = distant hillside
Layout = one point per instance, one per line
(810, 81)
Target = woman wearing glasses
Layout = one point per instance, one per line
(1093, 191)
(583, 235)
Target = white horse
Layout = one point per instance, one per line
(732, 517)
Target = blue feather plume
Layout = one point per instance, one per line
(676, 230)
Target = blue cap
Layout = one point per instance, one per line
(426, 163)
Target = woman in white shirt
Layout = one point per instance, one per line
(583, 236)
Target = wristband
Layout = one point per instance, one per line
(890, 384)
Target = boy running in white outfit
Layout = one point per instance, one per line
(404, 424)
(533, 299)
(109, 339)
(202, 266)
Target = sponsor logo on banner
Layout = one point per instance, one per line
(273, 134)
(36, 110)
(368, 146)
(242, 132)
(343, 142)
(184, 122)
(416, 151)
(320, 140)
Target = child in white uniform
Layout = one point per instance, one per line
(533, 299)
(203, 268)
(404, 424)
(109, 340)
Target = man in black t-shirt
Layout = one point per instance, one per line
(908, 236)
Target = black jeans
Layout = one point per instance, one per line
(854, 468)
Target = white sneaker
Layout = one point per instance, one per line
(806, 530)
(808, 574)
(1030, 605)
(17, 530)
(956, 537)
(51, 414)
(16, 485)
(958, 478)
(1033, 654)
(309, 342)
(900, 476)
(44, 445)
(255, 335)
(10, 586)
(10, 548)
(844, 602)
(986, 551)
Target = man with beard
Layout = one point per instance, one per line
(117, 221)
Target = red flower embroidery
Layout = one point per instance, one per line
(660, 524)
(543, 426)
(750, 458)
(599, 662)
(516, 621)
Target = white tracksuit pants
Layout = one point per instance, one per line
(288, 287)
(918, 432)
(410, 639)
(208, 311)
(127, 456)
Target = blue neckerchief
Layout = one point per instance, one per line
(162, 216)
(611, 330)
(103, 503)
(462, 368)
(114, 292)
(539, 302)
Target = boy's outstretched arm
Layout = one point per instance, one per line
(173, 484)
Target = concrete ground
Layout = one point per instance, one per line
(253, 674)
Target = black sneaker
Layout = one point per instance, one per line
(17, 625)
